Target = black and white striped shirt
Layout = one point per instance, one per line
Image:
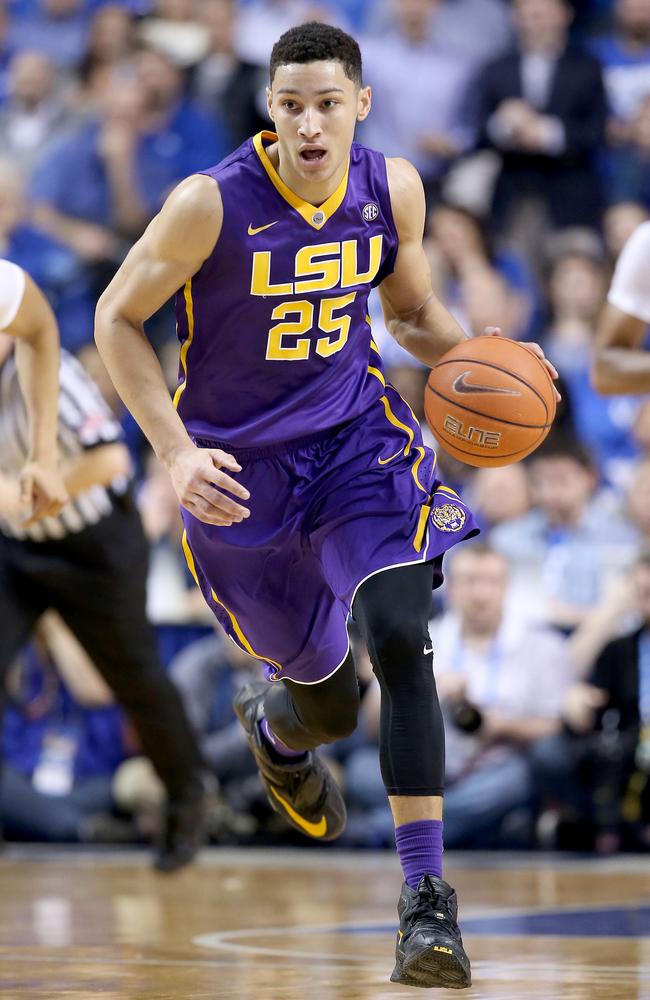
(85, 422)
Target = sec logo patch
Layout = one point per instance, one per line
(448, 517)
(370, 211)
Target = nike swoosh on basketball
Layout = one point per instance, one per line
(462, 386)
(252, 230)
(313, 829)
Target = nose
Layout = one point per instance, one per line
(309, 127)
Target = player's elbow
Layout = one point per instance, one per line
(103, 316)
(108, 317)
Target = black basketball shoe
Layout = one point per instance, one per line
(429, 949)
(302, 790)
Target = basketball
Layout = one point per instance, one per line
(489, 401)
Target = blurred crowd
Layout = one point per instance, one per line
(529, 122)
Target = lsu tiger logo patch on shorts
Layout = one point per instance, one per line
(448, 517)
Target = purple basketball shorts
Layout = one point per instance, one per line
(327, 512)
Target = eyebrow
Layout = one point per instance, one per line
(319, 93)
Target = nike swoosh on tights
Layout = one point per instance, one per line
(312, 829)
(252, 230)
(462, 386)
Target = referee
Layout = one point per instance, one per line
(84, 555)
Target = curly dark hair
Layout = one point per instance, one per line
(314, 41)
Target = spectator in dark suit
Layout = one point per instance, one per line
(233, 90)
(542, 107)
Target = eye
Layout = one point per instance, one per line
(289, 105)
(330, 103)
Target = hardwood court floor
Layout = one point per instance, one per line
(311, 925)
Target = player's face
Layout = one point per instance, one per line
(315, 108)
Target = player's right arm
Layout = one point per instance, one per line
(172, 249)
(621, 364)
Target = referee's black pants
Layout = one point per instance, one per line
(96, 580)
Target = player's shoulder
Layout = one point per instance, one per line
(196, 197)
(406, 192)
(403, 177)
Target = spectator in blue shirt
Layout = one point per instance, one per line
(142, 140)
(57, 28)
(624, 55)
(63, 739)
(577, 287)
(6, 50)
(54, 266)
(627, 165)
(35, 111)
(177, 130)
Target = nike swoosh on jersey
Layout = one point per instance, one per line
(385, 461)
(427, 650)
(252, 230)
(313, 829)
(462, 386)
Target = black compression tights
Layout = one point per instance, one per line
(392, 610)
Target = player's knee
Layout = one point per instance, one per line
(341, 721)
(398, 641)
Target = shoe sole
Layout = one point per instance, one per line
(431, 969)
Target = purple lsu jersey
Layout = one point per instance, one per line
(279, 366)
(274, 329)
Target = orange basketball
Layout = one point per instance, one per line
(489, 401)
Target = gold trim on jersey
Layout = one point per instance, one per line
(189, 310)
(304, 208)
(243, 641)
(425, 510)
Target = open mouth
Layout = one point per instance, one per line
(313, 154)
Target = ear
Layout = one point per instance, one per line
(364, 101)
(269, 102)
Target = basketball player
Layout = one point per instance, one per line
(83, 554)
(306, 490)
(622, 363)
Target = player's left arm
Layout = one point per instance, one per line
(414, 316)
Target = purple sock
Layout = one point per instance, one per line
(276, 743)
(419, 848)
